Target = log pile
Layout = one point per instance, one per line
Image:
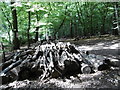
(51, 60)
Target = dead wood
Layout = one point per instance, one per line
(53, 60)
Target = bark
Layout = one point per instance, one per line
(16, 44)
(76, 31)
(56, 31)
(116, 27)
(36, 34)
(45, 62)
(71, 29)
(103, 31)
(103, 27)
(28, 35)
(11, 67)
(91, 27)
(9, 37)
(37, 29)
(3, 52)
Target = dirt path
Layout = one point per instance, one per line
(108, 46)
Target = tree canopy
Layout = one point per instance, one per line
(26, 22)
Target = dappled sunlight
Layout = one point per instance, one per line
(99, 46)
(100, 43)
(59, 44)
(114, 46)
(85, 48)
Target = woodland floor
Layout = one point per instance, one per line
(106, 46)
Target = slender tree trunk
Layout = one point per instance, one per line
(36, 34)
(75, 26)
(3, 52)
(80, 18)
(56, 31)
(103, 27)
(116, 27)
(71, 30)
(16, 44)
(28, 35)
(117, 16)
(9, 37)
(104, 12)
(37, 28)
(91, 26)
(63, 32)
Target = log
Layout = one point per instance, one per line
(10, 56)
(46, 61)
(86, 69)
(6, 64)
(3, 73)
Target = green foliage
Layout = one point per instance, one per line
(86, 17)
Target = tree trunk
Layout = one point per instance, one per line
(71, 31)
(91, 24)
(103, 27)
(116, 28)
(104, 19)
(16, 44)
(3, 52)
(36, 34)
(57, 30)
(28, 36)
(37, 28)
(76, 31)
(9, 37)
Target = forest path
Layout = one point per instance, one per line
(109, 48)
(106, 46)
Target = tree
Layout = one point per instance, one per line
(8, 26)
(116, 27)
(16, 44)
(68, 19)
(37, 28)
(28, 36)
(104, 14)
(62, 22)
